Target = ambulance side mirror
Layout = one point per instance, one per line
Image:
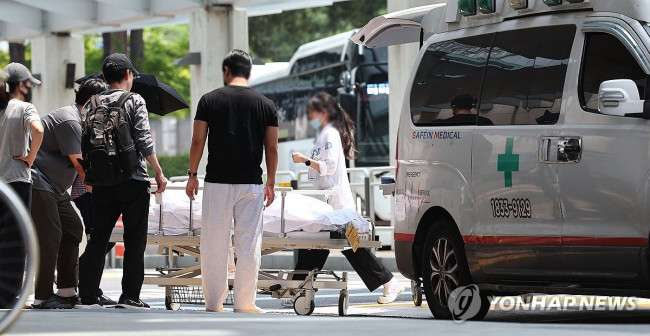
(620, 97)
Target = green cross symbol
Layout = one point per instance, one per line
(508, 163)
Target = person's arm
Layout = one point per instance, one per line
(199, 136)
(37, 138)
(80, 170)
(328, 159)
(161, 181)
(271, 154)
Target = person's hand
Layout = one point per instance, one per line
(161, 181)
(89, 188)
(269, 194)
(192, 187)
(28, 159)
(299, 157)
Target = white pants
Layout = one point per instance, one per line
(221, 204)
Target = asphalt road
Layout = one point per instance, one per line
(365, 317)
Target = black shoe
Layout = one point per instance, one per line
(105, 301)
(73, 300)
(52, 303)
(127, 303)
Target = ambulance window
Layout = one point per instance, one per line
(448, 70)
(525, 76)
(606, 58)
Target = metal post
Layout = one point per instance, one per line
(283, 194)
(366, 189)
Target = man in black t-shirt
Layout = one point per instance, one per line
(461, 107)
(243, 125)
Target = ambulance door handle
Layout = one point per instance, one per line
(548, 150)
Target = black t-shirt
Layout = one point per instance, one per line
(469, 119)
(237, 118)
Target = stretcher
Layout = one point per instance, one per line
(183, 284)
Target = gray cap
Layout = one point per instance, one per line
(16, 72)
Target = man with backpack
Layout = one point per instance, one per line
(116, 145)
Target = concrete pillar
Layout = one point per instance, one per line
(213, 32)
(50, 58)
(400, 64)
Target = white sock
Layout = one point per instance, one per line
(37, 302)
(389, 284)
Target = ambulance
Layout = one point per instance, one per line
(523, 147)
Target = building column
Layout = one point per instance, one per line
(213, 32)
(53, 57)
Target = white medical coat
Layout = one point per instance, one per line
(328, 151)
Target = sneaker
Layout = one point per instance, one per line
(52, 303)
(105, 301)
(254, 310)
(391, 292)
(127, 303)
(287, 303)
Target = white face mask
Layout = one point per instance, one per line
(315, 123)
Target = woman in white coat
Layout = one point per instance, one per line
(327, 171)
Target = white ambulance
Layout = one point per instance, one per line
(537, 180)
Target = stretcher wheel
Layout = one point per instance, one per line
(302, 306)
(171, 305)
(416, 289)
(344, 301)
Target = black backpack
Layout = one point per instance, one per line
(107, 146)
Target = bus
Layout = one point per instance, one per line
(357, 76)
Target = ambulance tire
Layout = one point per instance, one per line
(444, 267)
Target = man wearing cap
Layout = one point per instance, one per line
(57, 224)
(129, 198)
(18, 118)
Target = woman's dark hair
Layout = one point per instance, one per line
(239, 62)
(4, 95)
(89, 88)
(323, 101)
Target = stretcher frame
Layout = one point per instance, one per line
(182, 285)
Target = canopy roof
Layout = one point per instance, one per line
(25, 19)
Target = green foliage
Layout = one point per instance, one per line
(276, 37)
(162, 46)
(4, 58)
(94, 54)
(172, 165)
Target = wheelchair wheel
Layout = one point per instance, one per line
(18, 256)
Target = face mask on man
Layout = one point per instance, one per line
(28, 94)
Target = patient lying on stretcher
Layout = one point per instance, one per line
(302, 214)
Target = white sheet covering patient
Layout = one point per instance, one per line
(302, 213)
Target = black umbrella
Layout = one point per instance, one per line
(97, 74)
(160, 98)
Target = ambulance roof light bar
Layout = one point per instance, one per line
(469, 7)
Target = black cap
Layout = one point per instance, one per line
(116, 62)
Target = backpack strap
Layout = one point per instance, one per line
(94, 102)
(123, 98)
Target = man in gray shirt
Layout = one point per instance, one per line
(58, 226)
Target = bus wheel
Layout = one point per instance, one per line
(444, 267)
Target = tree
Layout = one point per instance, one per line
(294, 28)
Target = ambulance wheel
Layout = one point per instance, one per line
(171, 305)
(302, 306)
(444, 267)
(344, 301)
(416, 290)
